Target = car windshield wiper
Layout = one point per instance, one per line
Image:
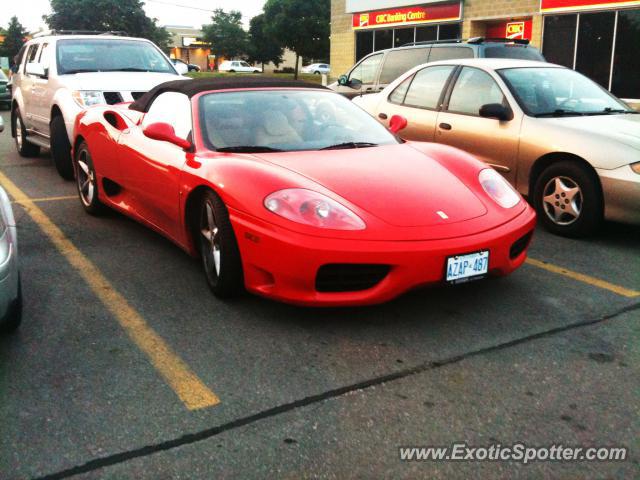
(126, 69)
(79, 70)
(249, 149)
(345, 145)
(559, 113)
(617, 110)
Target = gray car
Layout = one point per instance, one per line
(10, 290)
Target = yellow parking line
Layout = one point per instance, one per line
(49, 199)
(581, 277)
(189, 388)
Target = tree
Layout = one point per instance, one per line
(263, 46)
(225, 35)
(14, 39)
(107, 15)
(301, 26)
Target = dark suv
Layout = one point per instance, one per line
(378, 69)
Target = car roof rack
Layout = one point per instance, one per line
(47, 33)
(431, 42)
(478, 40)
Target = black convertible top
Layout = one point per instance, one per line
(193, 87)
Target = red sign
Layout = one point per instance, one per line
(573, 5)
(407, 16)
(514, 30)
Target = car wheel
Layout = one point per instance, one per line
(232, 71)
(218, 247)
(61, 148)
(13, 319)
(25, 149)
(316, 73)
(568, 199)
(87, 181)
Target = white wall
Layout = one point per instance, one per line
(369, 5)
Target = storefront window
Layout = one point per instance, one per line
(427, 34)
(449, 31)
(559, 39)
(383, 39)
(595, 41)
(402, 36)
(625, 82)
(364, 44)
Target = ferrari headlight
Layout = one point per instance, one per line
(498, 188)
(312, 208)
(88, 98)
(635, 167)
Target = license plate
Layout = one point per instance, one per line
(463, 268)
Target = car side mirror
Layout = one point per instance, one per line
(36, 69)
(343, 80)
(397, 123)
(497, 111)
(355, 84)
(165, 133)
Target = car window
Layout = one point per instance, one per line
(399, 61)
(521, 52)
(473, 89)
(3, 76)
(173, 108)
(449, 53)
(365, 71)
(244, 64)
(427, 86)
(400, 92)
(45, 56)
(31, 55)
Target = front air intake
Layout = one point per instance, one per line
(349, 277)
(520, 245)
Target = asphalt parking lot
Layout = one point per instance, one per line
(127, 367)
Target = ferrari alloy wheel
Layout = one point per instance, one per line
(218, 247)
(568, 199)
(86, 181)
(24, 147)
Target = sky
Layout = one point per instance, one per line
(168, 12)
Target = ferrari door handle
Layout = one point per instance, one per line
(382, 116)
(445, 126)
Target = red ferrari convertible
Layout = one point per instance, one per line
(294, 193)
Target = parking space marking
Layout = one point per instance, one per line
(581, 277)
(49, 199)
(189, 388)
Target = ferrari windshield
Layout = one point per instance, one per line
(110, 55)
(287, 120)
(550, 92)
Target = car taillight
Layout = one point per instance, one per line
(312, 208)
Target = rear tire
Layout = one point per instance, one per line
(218, 247)
(24, 148)
(13, 319)
(87, 181)
(568, 199)
(61, 148)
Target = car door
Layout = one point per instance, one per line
(363, 77)
(41, 94)
(27, 84)
(418, 99)
(460, 124)
(152, 168)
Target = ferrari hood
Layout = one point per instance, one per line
(397, 184)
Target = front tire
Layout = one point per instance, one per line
(568, 199)
(218, 247)
(24, 148)
(13, 319)
(61, 148)
(87, 181)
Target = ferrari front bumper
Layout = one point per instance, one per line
(283, 265)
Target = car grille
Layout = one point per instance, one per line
(346, 277)
(520, 245)
(137, 95)
(112, 97)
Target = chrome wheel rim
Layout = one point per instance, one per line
(86, 179)
(211, 251)
(562, 200)
(18, 133)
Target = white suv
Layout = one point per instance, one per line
(60, 75)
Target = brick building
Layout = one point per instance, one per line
(596, 37)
